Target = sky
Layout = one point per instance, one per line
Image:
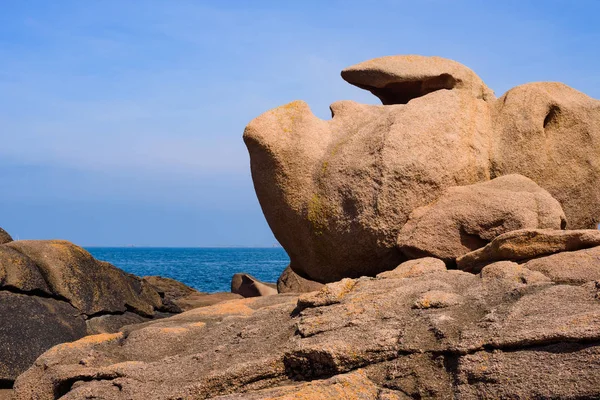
(121, 121)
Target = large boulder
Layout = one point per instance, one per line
(248, 286)
(291, 282)
(435, 333)
(550, 133)
(336, 193)
(399, 79)
(572, 267)
(466, 218)
(527, 244)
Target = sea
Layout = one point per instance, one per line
(205, 269)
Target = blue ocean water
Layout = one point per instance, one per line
(204, 269)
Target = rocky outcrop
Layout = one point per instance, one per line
(466, 218)
(573, 268)
(53, 292)
(435, 333)
(177, 297)
(4, 237)
(337, 193)
(291, 282)
(550, 133)
(248, 286)
(527, 244)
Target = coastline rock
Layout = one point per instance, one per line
(335, 193)
(5, 237)
(550, 133)
(355, 336)
(528, 243)
(399, 79)
(508, 271)
(291, 282)
(248, 286)
(465, 218)
(573, 268)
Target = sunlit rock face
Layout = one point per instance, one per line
(336, 193)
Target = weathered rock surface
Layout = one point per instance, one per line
(476, 337)
(575, 267)
(291, 282)
(248, 286)
(336, 193)
(53, 292)
(528, 243)
(415, 268)
(466, 218)
(550, 133)
(177, 297)
(399, 79)
(4, 237)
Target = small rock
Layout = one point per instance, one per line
(437, 299)
(512, 272)
(248, 286)
(414, 268)
(5, 237)
(291, 282)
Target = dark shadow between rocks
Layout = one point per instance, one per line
(403, 92)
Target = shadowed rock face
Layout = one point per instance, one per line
(4, 237)
(422, 332)
(336, 193)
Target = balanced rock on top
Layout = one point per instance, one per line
(336, 193)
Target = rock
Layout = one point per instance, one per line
(466, 218)
(31, 325)
(414, 268)
(355, 337)
(528, 243)
(336, 193)
(550, 133)
(437, 299)
(513, 273)
(291, 282)
(573, 268)
(199, 299)
(53, 292)
(399, 79)
(5, 237)
(172, 293)
(248, 286)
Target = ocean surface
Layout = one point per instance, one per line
(204, 269)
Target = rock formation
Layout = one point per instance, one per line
(466, 218)
(53, 292)
(248, 286)
(425, 332)
(337, 193)
(291, 282)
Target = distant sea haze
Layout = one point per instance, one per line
(204, 269)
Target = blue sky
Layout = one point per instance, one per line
(121, 121)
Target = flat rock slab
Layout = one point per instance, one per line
(527, 244)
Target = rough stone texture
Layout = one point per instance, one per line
(29, 326)
(415, 268)
(200, 299)
(512, 272)
(291, 282)
(526, 244)
(5, 237)
(466, 218)
(550, 133)
(90, 285)
(399, 79)
(53, 292)
(575, 267)
(248, 286)
(335, 193)
(489, 337)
